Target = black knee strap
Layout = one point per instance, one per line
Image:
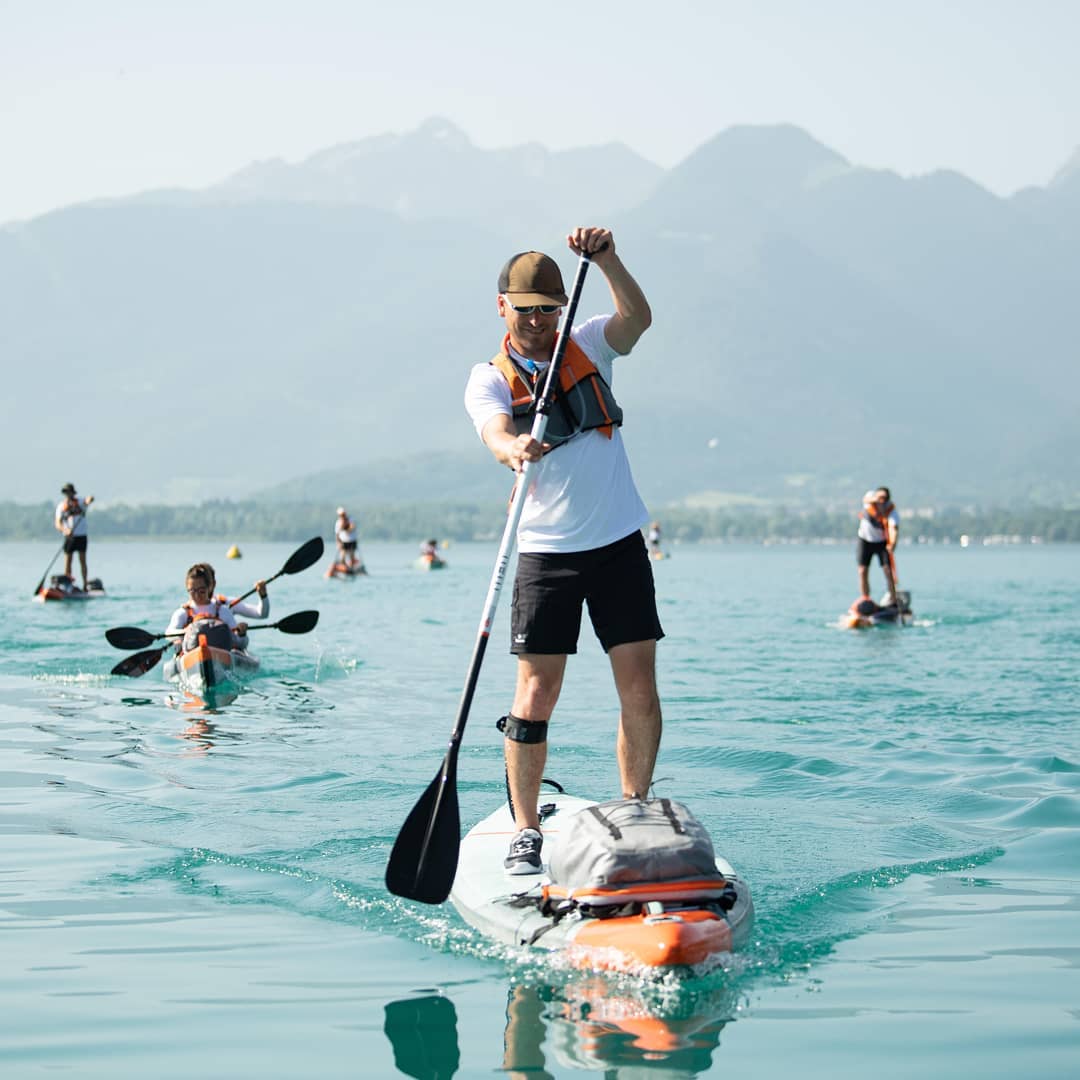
(524, 731)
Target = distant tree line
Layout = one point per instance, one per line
(235, 521)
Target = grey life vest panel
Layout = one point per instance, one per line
(217, 634)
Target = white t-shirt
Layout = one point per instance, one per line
(581, 495)
(67, 518)
(872, 533)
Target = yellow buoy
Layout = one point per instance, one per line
(233, 553)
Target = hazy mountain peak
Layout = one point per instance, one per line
(765, 167)
(773, 148)
(437, 129)
(435, 171)
(1069, 172)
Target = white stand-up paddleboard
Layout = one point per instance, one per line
(653, 935)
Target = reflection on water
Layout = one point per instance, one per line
(423, 1033)
(587, 1025)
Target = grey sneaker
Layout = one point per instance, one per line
(524, 857)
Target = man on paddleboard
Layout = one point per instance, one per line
(345, 538)
(580, 537)
(879, 526)
(70, 520)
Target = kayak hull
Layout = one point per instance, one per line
(854, 621)
(204, 669)
(430, 562)
(69, 592)
(341, 570)
(672, 938)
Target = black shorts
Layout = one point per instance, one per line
(348, 546)
(73, 544)
(865, 550)
(615, 581)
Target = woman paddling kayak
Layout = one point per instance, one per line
(213, 649)
(200, 583)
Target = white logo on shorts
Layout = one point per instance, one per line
(519, 639)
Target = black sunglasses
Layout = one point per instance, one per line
(528, 309)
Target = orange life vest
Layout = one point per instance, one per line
(878, 520)
(583, 402)
(189, 607)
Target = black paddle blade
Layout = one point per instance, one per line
(424, 859)
(302, 622)
(129, 637)
(139, 664)
(305, 556)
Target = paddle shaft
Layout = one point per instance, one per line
(304, 556)
(506, 546)
(233, 603)
(300, 622)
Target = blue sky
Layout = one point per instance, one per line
(115, 96)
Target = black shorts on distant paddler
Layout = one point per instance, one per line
(865, 550)
(615, 581)
(74, 543)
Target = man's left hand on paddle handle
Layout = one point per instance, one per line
(594, 241)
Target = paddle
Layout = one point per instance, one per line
(301, 559)
(903, 603)
(424, 858)
(80, 514)
(131, 637)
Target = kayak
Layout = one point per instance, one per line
(864, 613)
(654, 936)
(61, 587)
(205, 668)
(430, 562)
(343, 570)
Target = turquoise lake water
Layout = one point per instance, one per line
(185, 893)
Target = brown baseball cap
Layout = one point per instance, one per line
(531, 277)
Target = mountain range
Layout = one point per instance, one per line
(819, 328)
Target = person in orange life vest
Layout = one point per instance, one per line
(345, 536)
(580, 536)
(879, 526)
(70, 520)
(654, 538)
(200, 582)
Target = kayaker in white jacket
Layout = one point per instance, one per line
(200, 583)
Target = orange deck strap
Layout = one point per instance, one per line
(631, 892)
